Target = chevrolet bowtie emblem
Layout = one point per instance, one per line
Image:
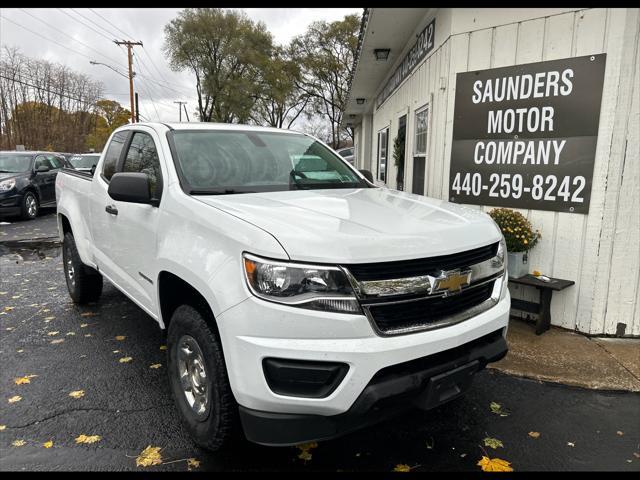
(450, 282)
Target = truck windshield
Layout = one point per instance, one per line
(15, 162)
(84, 161)
(223, 162)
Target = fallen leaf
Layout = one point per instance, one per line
(59, 340)
(620, 433)
(18, 443)
(493, 443)
(88, 335)
(20, 351)
(149, 456)
(23, 380)
(8, 329)
(51, 334)
(88, 314)
(534, 434)
(77, 394)
(155, 365)
(15, 297)
(192, 462)
(87, 438)
(82, 325)
(571, 444)
(125, 359)
(120, 337)
(494, 465)
(497, 409)
(70, 333)
(305, 448)
(402, 467)
(15, 398)
(116, 351)
(49, 318)
(635, 454)
(163, 347)
(8, 309)
(48, 444)
(2, 427)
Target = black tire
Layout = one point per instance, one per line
(83, 282)
(217, 425)
(30, 206)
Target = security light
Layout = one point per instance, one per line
(382, 53)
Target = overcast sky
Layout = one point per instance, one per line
(85, 34)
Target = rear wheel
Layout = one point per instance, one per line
(83, 282)
(30, 206)
(198, 379)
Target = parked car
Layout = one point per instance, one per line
(27, 181)
(297, 296)
(347, 154)
(85, 162)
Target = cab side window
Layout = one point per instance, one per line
(55, 162)
(142, 156)
(113, 154)
(41, 161)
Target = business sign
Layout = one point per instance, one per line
(525, 136)
(423, 45)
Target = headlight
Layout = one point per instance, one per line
(298, 285)
(502, 256)
(7, 185)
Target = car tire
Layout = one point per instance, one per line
(30, 206)
(83, 282)
(199, 381)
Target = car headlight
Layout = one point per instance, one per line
(501, 255)
(7, 185)
(300, 285)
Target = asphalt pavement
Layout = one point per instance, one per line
(111, 351)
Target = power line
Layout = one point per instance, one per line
(46, 89)
(85, 25)
(69, 36)
(114, 26)
(91, 21)
(148, 91)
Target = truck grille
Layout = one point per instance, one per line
(421, 266)
(391, 318)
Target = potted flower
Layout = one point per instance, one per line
(519, 237)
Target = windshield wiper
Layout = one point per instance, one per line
(7, 171)
(226, 191)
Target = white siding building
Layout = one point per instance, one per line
(599, 250)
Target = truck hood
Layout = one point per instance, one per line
(360, 225)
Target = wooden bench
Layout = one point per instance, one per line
(543, 308)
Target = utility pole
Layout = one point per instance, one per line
(130, 46)
(180, 109)
(185, 111)
(137, 109)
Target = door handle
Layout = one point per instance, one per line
(111, 209)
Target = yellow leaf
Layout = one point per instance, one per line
(2, 427)
(70, 333)
(23, 380)
(18, 443)
(55, 342)
(120, 337)
(8, 309)
(494, 465)
(149, 456)
(163, 347)
(305, 448)
(155, 365)
(493, 443)
(125, 359)
(15, 398)
(88, 314)
(497, 409)
(82, 325)
(534, 434)
(49, 318)
(87, 438)
(8, 329)
(77, 394)
(116, 351)
(48, 444)
(51, 334)
(402, 467)
(20, 351)
(192, 462)
(88, 335)
(620, 433)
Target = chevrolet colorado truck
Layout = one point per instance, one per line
(300, 300)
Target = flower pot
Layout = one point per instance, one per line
(518, 264)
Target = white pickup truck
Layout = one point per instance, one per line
(300, 300)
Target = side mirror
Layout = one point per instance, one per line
(130, 187)
(42, 169)
(367, 174)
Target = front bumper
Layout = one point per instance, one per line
(254, 330)
(10, 203)
(423, 383)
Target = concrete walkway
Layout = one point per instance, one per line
(570, 358)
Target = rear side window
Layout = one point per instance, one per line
(142, 156)
(55, 162)
(113, 154)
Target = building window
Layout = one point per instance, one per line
(383, 137)
(420, 143)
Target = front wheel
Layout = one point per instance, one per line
(30, 206)
(83, 282)
(198, 379)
